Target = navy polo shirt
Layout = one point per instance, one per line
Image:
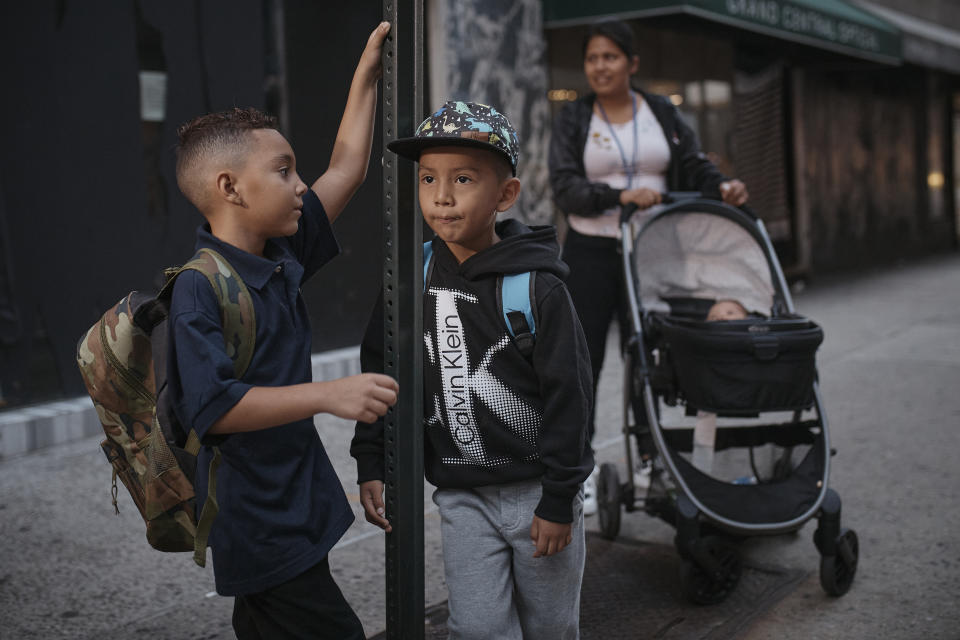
(282, 507)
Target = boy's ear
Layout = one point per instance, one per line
(509, 192)
(227, 188)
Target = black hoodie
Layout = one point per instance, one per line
(491, 415)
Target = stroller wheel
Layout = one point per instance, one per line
(608, 501)
(703, 586)
(837, 571)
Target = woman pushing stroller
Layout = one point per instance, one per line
(617, 146)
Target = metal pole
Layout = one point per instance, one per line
(403, 323)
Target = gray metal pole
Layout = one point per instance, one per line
(403, 322)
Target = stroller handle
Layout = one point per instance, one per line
(667, 197)
(671, 197)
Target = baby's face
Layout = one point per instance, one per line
(726, 310)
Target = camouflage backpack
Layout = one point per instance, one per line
(123, 361)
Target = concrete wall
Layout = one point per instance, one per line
(493, 52)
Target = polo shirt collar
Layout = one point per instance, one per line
(253, 270)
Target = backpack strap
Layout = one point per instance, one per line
(236, 304)
(239, 334)
(427, 263)
(210, 510)
(515, 295)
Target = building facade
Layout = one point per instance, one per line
(842, 117)
(89, 206)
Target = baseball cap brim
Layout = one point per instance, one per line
(410, 148)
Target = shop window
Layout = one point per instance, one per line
(936, 151)
(955, 117)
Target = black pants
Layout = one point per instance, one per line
(596, 288)
(309, 606)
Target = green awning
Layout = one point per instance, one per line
(828, 24)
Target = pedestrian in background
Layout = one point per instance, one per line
(615, 146)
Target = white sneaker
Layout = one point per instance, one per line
(590, 493)
(641, 476)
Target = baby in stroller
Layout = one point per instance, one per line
(726, 310)
(705, 429)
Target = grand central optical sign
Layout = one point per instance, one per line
(804, 21)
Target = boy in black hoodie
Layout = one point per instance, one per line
(505, 429)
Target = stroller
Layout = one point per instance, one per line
(747, 386)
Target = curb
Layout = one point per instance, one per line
(50, 424)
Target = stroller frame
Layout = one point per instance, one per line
(711, 565)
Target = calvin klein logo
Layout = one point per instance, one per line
(447, 351)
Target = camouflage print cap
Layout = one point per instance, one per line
(467, 124)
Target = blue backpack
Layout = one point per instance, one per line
(515, 302)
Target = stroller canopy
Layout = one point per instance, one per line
(692, 253)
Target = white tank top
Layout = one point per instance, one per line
(603, 162)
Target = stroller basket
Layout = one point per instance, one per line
(740, 366)
(778, 501)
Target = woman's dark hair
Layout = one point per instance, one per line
(617, 31)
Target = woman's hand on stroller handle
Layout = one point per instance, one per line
(734, 192)
(643, 198)
(630, 206)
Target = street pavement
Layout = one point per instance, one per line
(890, 376)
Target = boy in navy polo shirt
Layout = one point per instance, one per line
(281, 506)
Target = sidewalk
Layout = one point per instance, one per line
(890, 375)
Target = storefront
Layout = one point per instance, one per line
(811, 103)
(935, 48)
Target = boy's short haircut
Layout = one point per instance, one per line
(464, 124)
(220, 135)
(503, 167)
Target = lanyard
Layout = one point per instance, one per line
(630, 168)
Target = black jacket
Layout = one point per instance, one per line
(689, 170)
(491, 415)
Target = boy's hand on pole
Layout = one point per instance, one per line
(370, 65)
(371, 497)
(549, 537)
(364, 397)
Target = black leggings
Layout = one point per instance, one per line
(596, 287)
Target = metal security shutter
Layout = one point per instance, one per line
(759, 146)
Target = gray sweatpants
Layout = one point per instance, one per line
(497, 589)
